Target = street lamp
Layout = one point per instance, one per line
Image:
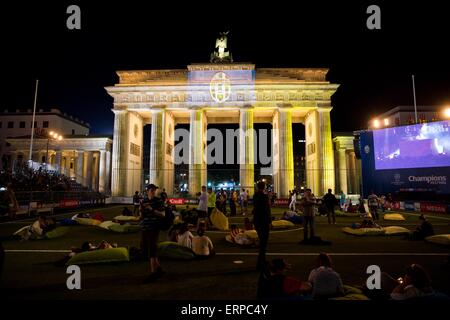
(52, 135)
(447, 113)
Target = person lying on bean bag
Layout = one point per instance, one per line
(85, 247)
(238, 236)
(293, 217)
(423, 230)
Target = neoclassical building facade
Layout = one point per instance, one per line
(210, 93)
(85, 159)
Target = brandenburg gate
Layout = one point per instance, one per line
(214, 93)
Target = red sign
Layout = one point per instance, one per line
(68, 203)
(177, 201)
(433, 207)
(281, 202)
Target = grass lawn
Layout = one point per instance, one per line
(32, 275)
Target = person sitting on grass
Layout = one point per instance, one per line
(184, 237)
(202, 245)
(275, 284)
(126, 212)
(326, 282)
(416, 284)
(367, 222)
(423, 230)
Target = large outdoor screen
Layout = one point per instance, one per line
(415, 146)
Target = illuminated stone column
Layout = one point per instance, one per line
(120, 153)
(276, 153)
(102, 177)
(58, 161)
(88, 168)
(342, 162)
(79, 168)
(108, 172)
(286, 151)
(157, 148)
(325, 151)
(197, 143)
(246, 150)
(96, 172)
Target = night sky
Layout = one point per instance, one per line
(374, 67)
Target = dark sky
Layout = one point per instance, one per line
(373, 67)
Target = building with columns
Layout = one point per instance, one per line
(348, 166)
(18, 123)
(212, 93)
(85, 159)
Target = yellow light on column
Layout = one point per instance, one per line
(60, 138)
(376, 123)
(51, 133)
(386, 122)
(447, 112)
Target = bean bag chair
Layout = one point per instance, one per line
(394, 217)
(251, 234)
(219, 220)
(107, 224)
(395, 231)
(68, 222)
(364, 231)
(295, 219)
(282, 224)
(57, 232)
(125, 228)
(443, 239)
(351, 293)
(100, 256)
(125, 218)
(172, 250)
(88, 221)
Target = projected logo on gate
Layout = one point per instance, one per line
(220, 87)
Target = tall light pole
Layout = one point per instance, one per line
(414, 94)
(32, 123)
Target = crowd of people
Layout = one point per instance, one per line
(325, 283)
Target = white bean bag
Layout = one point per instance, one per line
(251, 234)
(395, 230)
(394, 217)
(126, 218)
(443, 239)
(364, 231)
(107, 224)
(88, 221)
(282, 224)
(219, 220)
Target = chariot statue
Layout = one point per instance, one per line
(221, 53)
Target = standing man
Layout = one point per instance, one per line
(330, 201)
(308, 203)
(373, 201)
(262, 220)
(152, 212)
